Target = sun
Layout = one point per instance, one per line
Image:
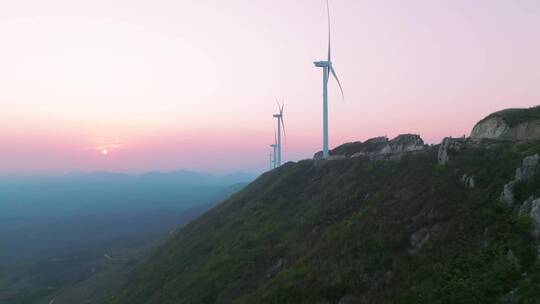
(104, 152)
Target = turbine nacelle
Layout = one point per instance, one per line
(322, 64)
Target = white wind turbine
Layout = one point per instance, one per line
(280, 124)
(327, 69)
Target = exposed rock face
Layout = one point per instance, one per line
(450, 144)
(378, 148)
(492, 128)
(510, 124)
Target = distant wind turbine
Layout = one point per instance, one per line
(327, 69)
(280, 124)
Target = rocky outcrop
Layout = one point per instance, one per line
(531, 208)
(418, 239)
(402, 144)
(497, 128)
(378, 148)
(347, 299)
(275, 269)
(469, 181)
(507, 195)
(492, 128)
(535, 216)
(529, 168)
(448, 145)
(510, 124)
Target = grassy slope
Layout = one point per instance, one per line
(343, 228)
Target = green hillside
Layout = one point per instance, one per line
(356, 231)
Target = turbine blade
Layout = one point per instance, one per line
(329, 33)
(339, 83)
(283, 125)
(277, 102)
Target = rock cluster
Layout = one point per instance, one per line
(378, 148)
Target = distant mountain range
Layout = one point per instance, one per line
(184, 177)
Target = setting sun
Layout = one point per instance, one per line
(104, 152)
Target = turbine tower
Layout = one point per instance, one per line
(271, 160)
(273, 154)
(274, 146)
(327, 70)
(280, 124)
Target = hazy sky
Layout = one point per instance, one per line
(167, 85)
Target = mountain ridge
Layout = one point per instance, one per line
(361, 228)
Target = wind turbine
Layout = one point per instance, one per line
(280, 123)
(327, 70)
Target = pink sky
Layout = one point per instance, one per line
(167, 85)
